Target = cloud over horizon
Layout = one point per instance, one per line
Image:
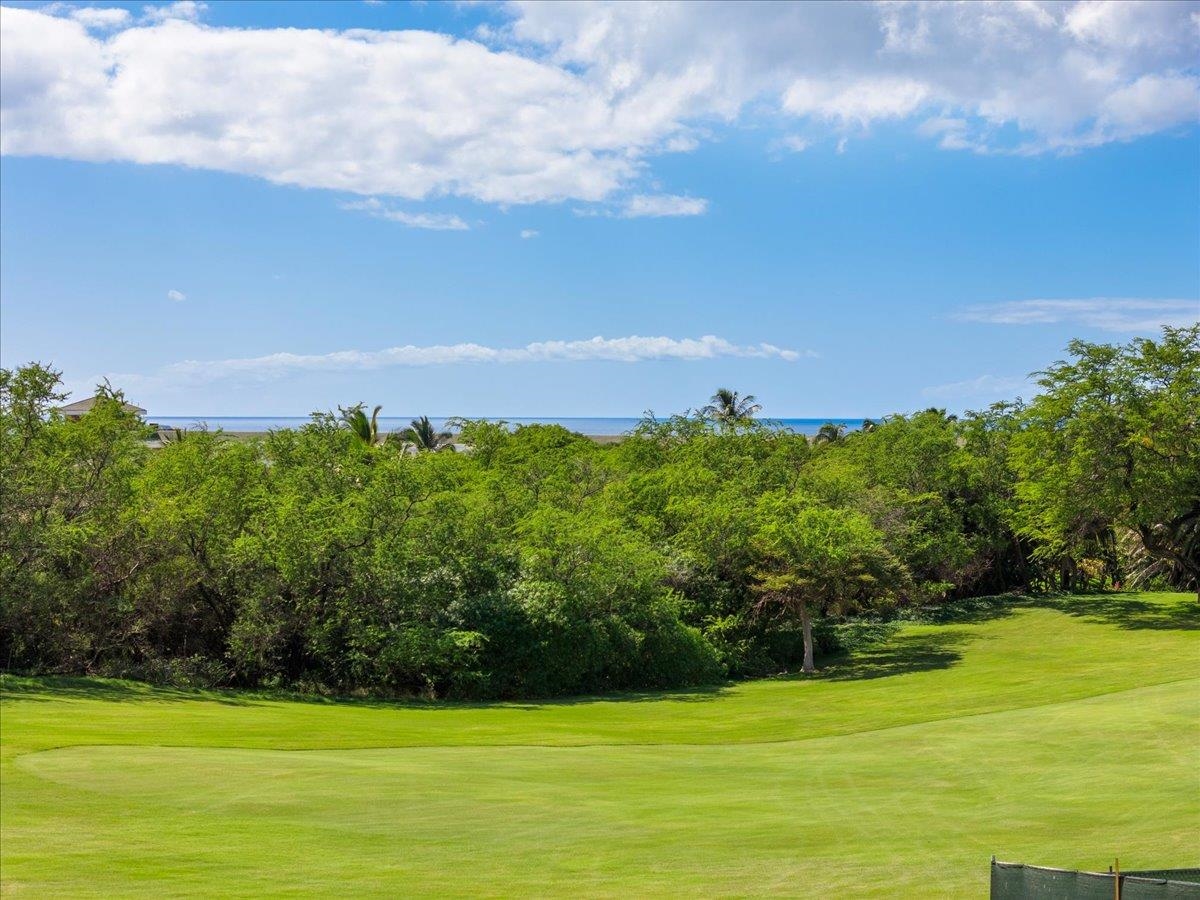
(631, 349)
(570, 102)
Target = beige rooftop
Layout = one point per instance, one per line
(79, 407)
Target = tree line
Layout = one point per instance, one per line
(701, 547)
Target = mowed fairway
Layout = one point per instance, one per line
(1064, 733)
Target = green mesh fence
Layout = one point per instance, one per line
(1014, 881)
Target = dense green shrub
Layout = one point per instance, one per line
(544, 563)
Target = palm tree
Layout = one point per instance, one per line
(869, 425)
(366, 430)
(829, 433)
(940, 413)
(729, 407)
(423, 436)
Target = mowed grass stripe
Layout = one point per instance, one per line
(835, 810)
(575, 746)
(1031, 656)
(867, 786)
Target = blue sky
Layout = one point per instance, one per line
(919, 220)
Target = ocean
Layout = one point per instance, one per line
(599, 426)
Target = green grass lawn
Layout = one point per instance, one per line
(1064, 732)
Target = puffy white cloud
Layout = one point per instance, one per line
(403, 113)
(188, 10)
(1130, 26)
(101, 18)
(1105, 313)
(657, 205)
(623, 349)
(373, 206)
(177, 296)
(1057, 72)
(861, 100)
(569, 101)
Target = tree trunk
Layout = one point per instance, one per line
(806, 628)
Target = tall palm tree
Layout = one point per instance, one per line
(728, 407)
(422, 435)
(829, 433)
(366, 430)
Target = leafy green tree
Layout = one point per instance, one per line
(195, 502)
(1113, 441)
(819, 560)
(67, 550)
(546, 563)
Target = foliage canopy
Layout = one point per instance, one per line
(540, 562)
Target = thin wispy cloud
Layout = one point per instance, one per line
(659, 205)
(176, 296)
(375, 208)
(632, 349)
(789, 143)
(984, 389)
(527, 233)
(1127, 314)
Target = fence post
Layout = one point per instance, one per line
(1117, 880)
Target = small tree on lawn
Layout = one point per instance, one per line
(818, 560)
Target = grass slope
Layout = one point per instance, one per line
(1064, 732)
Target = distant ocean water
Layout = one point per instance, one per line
(582, 425)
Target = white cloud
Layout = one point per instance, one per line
(177, 296)
(101, 18)
(624, 349)
(793, 143)
(372, 206)
(1104, 313)
(657, 205)
(1127, 26)
(402, 113)
(527, 233)
(861, 100)
(1049, 71)
(568, 102)
(984, 389)
(187, 10)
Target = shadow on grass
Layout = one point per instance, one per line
(62, 687)
(1120, 609)
(969, 610)
(876, 651)
(901, 655)
(1124, 611)
(46, 688)
(698, 694)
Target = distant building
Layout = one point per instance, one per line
(79, 407)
